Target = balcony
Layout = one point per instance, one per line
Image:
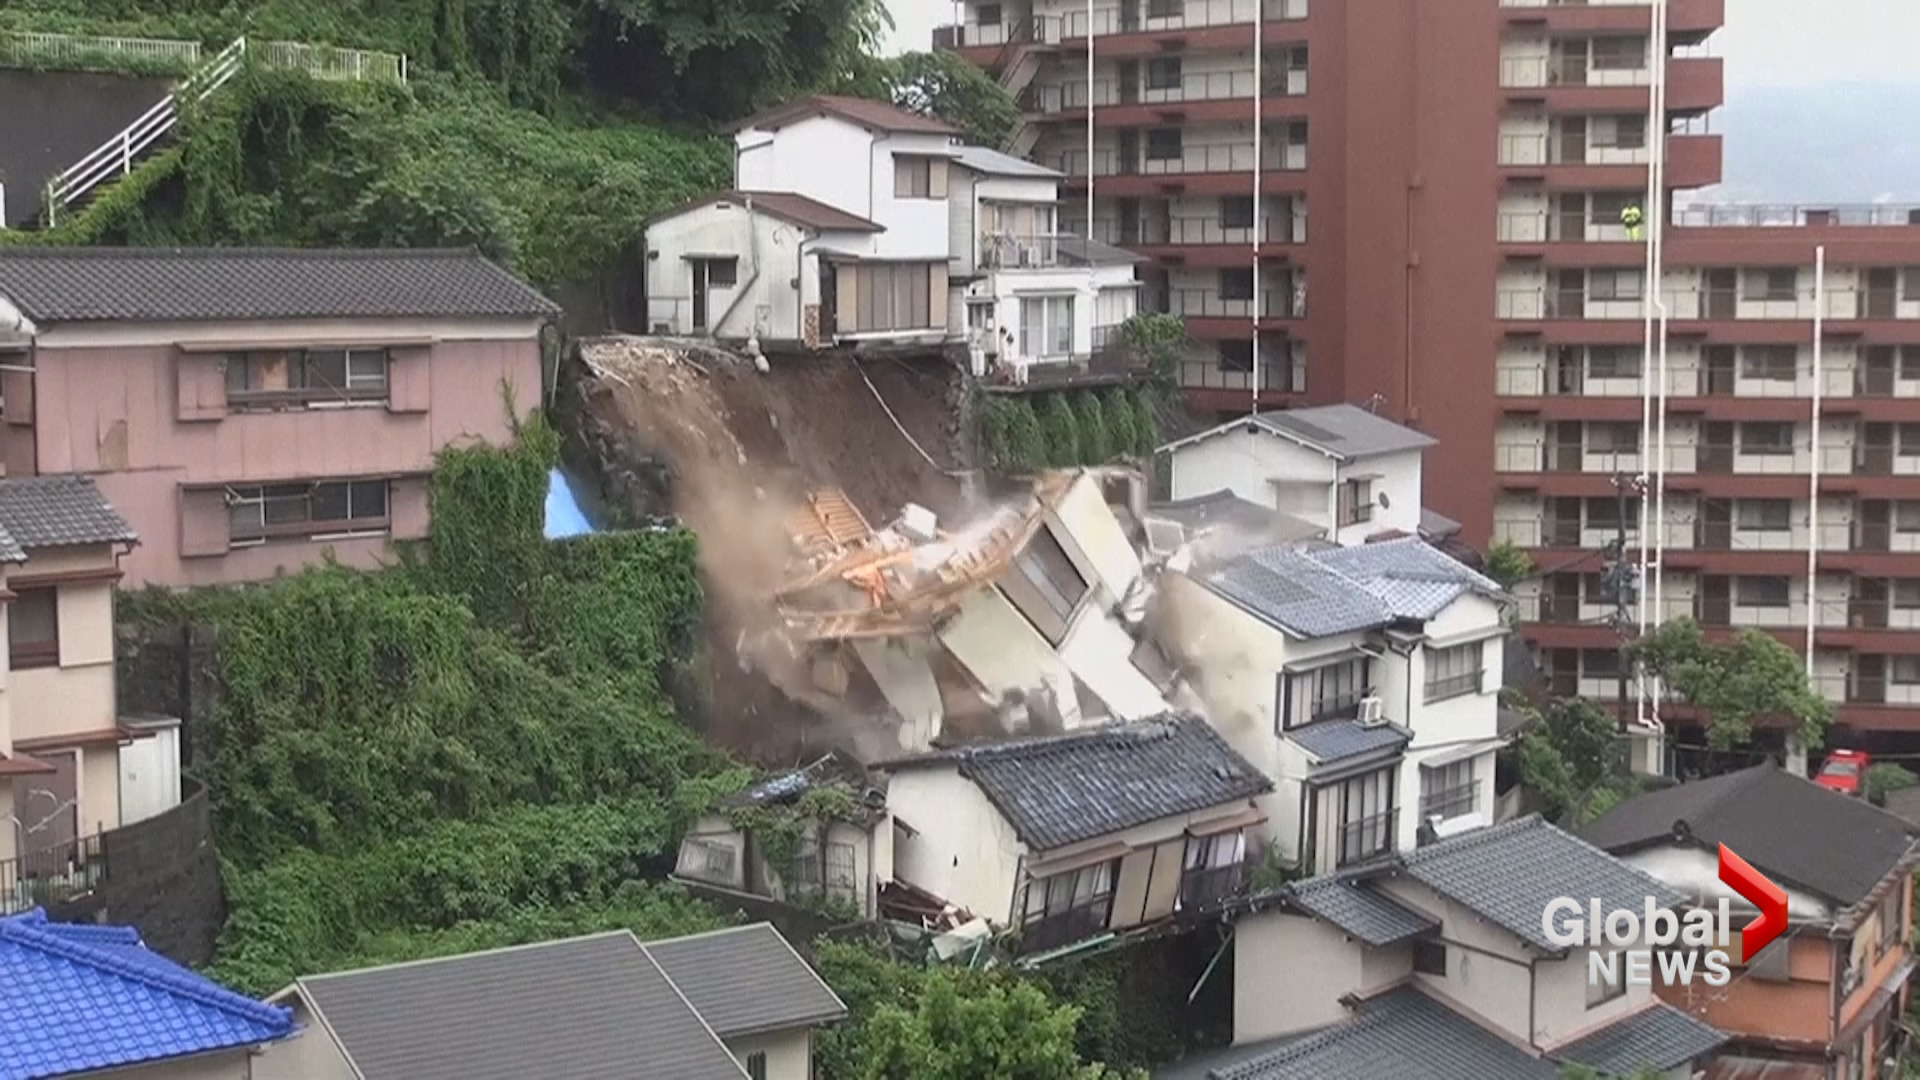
(1687, 20)
(1204, 888)
(52, 875)
(1366, 838)
(1195, 303)
(1198, 86)
(1791, 216)
(1172, 16)
(1110, 363)
(1201, 230)
(1074, 924)
(1018, 250)
(1447, 803)
(1283, 375)
(1192, 160)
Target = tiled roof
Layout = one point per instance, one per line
(582, 1009)
(54, 285)
(61, 510)
(1299, 594)
(1347, 431)
(83, 998)
(1656, 1038)
(1403, 1033)
(1435, 525)
(1359, 911)
(1415, 579)
(746, 980)
(1508, 874)
(786, 205)
(869, 114)
(1063, 789)
(1075, 249)
(994, 163)
(1782, 824)
(1338, 740)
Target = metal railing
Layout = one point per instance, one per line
(1541, 72)
(1183, 15)
(329, 62)
(1523, 149)
(1074, 924)
(1205, 887)
(1366, 838)
(23, 47)
(1231, 157)
(1198, 230)
(1196, 303)
(1450, 802)
(1454, 686)
(1192, 86)
(52, 874)
(1283, 376)
(1011, 250)
(1784, 215)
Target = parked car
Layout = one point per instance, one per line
(1845, 771)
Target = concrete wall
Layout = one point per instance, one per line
(1289, 973)
(162, 877)
(953, 843)
(55, 118)
(789, 1054)
(108, 401)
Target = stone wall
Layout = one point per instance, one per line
(162, 875)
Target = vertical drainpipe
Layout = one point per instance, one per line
(1090, 170)
(1796, 750)
(1659, 293)
(1259, 99)
(1653, 214)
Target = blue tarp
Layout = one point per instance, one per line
(564, 516)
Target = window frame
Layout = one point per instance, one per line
(1764, 363)
(1243, 213)
(308, 527)
(355, 389)
(1236, 283)
(1746, 512)
(1156, 73)
(1605, 990)
(1443, 796)
(1616, 290)
(1455, 684)
(25, 654)
(912, 176)
(1743, 596)
(1158, 140)
(1764, 447)
(1430, 957)
(1354, 503)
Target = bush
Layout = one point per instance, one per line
(1062, 431)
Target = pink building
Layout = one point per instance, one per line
(248, 410)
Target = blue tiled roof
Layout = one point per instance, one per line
(75, 998)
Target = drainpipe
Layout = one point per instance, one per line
(1796, 750)
(1651, 594)
(753, 250)
(1259, 95)
(800, 288)
(1090, 170)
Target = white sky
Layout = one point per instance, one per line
(1766, 42)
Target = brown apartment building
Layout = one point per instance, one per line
(250, 411)
(1464, 165)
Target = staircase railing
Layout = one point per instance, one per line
(117, 156)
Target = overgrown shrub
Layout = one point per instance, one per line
(1062, 432)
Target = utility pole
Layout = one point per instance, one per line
(1620, 580)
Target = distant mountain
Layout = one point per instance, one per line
(1839, 143)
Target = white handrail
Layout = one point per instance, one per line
(18, 44)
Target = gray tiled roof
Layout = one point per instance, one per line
(1338, 740)
(994, 163)
(1095, 252)
(1298, 593)
(1359, 911)
(1063, 789)
(1347, 431)
(1780, 823)
(61, 510)
(1413, 577)
(1658, 1038)
(1404, 1033)
(746, 980)
(53, 285)
(585, 1008)
(1434, 524)
(1508, 874)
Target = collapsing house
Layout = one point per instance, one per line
(1014, 622)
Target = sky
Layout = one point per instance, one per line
(1766, 42)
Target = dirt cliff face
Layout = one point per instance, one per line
(687, 430)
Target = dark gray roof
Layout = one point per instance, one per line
(582, 1009)
(994, 163)
(746, 980)
(1782, 824)
(1346, 431)
(1404, 1033)
(61, 510)
(1095, 252)
(1338, 740)
(54, 285)
(1299, 594)
(1659, 1038)
(1413, 577)
(1063, 789)
(1435, 525)
(1508, 874)
(1359, 911)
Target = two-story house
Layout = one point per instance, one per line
(1435, 963)
(69, 769)
(1363, 680)
(1066, 838)
(735, 1004)
(248, 410)
(1826, 1000)
(1352, 473)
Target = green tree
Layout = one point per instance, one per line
(1569, 758)
(1146, 426)
(1122, 434)
(1753, 678)
(940, 85)
(1887, 777)
(1096, 439)
(1158, 342)
(1062, 430)
(1507, 564)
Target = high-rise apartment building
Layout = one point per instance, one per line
(1466, 165)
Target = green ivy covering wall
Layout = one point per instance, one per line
(1061, 429)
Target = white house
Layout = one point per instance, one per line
(1026, 292)
(1353, 473)
(1435, 963)
(1365, 681)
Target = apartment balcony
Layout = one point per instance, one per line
(1018, 251)
(1214, 382)
(1208, 169)
(1211, 314)
(1200, 97)
(1204, 240)
(1110, 363)
(1794, 216)
(1573, 84)
(1001, 44)
(1565, 163)
(1192, 25)
(1687, 20)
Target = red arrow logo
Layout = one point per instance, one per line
(1761, 893)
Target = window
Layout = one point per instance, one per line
(1043, 564)
(1236, 284)
(1906, 594)
(1614, 284)
(1453, 673)
(1163, 144)
(1760, 592)
(806, 865)
(1046, 326)
(1607, 985)
(722, 273)
(33, 628)
(1891, 924)
(256, 514)
(1366, 814)
(1355, 502)
(1604, 513)
(1620, 133)
(1774, 363)
(1764, 515)
(988, 14)
(1163, 73)
(1332, 692)
(1907, 438)
(1619, 54)
(1906, 517)
(1769, 438)
(1613, 362)
(1606, 207)
(1430, 958)
(1769, 963)
(842, 876)
(1775, 284)
(1600, 663)
(1066, 907)
(1904, 670)
(1236, 212)
(757, 1065)
(1236, 355)
(1449, 791)
(1166, 9)
(707, 861)
(893, 296)
(1215, 868)
(305, 377)
(1613, 437)
(912, 177)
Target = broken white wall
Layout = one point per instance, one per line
(998, 646)
(1083, 515)
(953, 843)
(898, 666)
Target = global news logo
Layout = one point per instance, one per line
(1642, 942)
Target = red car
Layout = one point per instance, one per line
(1844, 771)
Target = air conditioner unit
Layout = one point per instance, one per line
(1371, 713)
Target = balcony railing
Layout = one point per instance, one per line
(1207, 887)
(1198, 230)
(1541, 72)
(1192, 303)
(1784, 215)
(1193, 86)
(1452, 802)
(1284, 376)
(1013, 250)
(1685, 304)
(1223, 158)
(52, 874)
(1526, 149)
(1454, 686)
(1075, 924)
(1190, 15)
(1366, 838)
